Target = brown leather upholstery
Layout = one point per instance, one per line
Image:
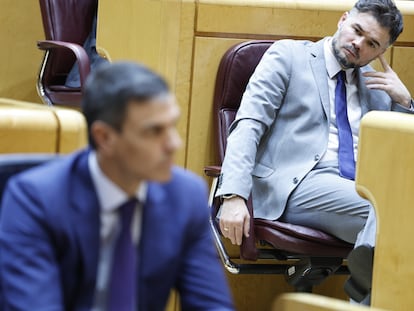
(66, 24)
(235, 69)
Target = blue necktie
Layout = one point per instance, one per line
(346, 159)
(123, 284)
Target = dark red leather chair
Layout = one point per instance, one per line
(66, 24)
(311, 255)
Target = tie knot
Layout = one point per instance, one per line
(127, 210)
(340, 76)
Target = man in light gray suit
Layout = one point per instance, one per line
(283, 145)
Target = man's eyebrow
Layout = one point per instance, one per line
(370, 38)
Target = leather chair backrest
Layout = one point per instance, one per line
(65, 20)
(235, 70)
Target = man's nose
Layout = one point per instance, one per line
(357, 42)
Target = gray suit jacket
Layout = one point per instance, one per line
(281, 129)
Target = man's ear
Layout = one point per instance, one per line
(384, 51)
(342, 19)
(104, 136)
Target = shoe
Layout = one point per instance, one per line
(360, 263)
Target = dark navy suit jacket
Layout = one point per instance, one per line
(49, 242)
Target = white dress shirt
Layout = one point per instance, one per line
(110, 197)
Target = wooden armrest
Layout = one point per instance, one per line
(76, 49)
(212, 171)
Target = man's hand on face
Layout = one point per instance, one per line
(389, 82)
(234, 219)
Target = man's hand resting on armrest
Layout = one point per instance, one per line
(234, 219)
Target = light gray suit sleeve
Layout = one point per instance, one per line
(260, 103)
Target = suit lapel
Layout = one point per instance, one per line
(87, 221)
(152, 219)
(318, 65)
(362, 91)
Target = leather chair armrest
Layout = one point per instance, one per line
(77, 50)
(248, 248)
(212, 171)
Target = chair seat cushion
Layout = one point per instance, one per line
(300, 239)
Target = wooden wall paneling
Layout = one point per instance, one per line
(201, 145)
(159, 34)
(241, 20)
(403, 65)
(21, 27)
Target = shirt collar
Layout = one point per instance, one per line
(332, 65)
(110, 196)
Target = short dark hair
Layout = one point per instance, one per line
(110, 88)
(385, 12)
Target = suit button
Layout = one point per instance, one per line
(295, 180)
(317, 157)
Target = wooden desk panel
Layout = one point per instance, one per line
(385, 176)
(28, 127)
(312, 302)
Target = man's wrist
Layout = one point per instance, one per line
(228, 196)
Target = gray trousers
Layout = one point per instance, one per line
(328, 202)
